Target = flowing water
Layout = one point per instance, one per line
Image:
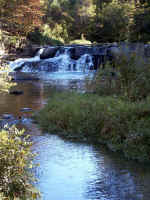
(73, 171)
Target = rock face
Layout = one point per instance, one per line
(21, 76)
(16, 92)
(49, 52)
(147, 50)
(28, 51)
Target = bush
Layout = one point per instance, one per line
(130, 79)
(38, 37)
(5, 81)
(9, 42)
(15, 163)
(121, 125)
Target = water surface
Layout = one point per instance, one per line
(75, 171)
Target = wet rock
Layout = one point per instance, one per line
(16, 92)
(28, 51)
(99, 50)
(49, 52)
(98, 60)
(7, 116)
(21, 76)
(147, 50)
(81, 50)
(25, 109)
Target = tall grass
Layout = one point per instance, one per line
(123, 126)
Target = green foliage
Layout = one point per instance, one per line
(38, 37)
(121, 125)
(57, 33)
(5, 81)
(21, 16)
(129, 80)
(139, 29)
(67, 20)
(15, 163)
(111, 24)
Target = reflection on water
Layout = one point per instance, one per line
(71, 171)
(32, 98)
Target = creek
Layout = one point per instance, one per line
(72, 171)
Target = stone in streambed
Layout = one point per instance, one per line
(48, 52)
(25, 109)
(16, 92)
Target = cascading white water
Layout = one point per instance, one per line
(61, 62)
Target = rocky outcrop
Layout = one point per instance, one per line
(28, 51)
(49, 52)
(147, 50)
(16, 92)
(21, 76)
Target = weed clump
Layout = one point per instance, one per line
(15, 163)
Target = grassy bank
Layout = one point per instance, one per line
(15, 163)
(121, 125)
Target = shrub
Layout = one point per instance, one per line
(130, 79)
(5, 81)
(38, 37)
(15, 162)
(123, 126)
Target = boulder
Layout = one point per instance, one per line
(147, 50)
(26, 109)
(84, 50)
(16, 92)
(21, 76)
(28, 51)
(49, 52)
(7, 116)
(73, 55)
(99, 50)
(98, 61)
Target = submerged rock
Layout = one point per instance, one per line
(7, 116)
(16, 92)
(21, 76)
(25, 109)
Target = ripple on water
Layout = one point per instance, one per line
(70, 171)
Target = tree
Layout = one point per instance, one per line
(21, 16)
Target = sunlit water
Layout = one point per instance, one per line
(70, 171)
(74, 171)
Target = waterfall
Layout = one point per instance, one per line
(61, 62)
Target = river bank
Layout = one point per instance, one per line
(120, 125)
